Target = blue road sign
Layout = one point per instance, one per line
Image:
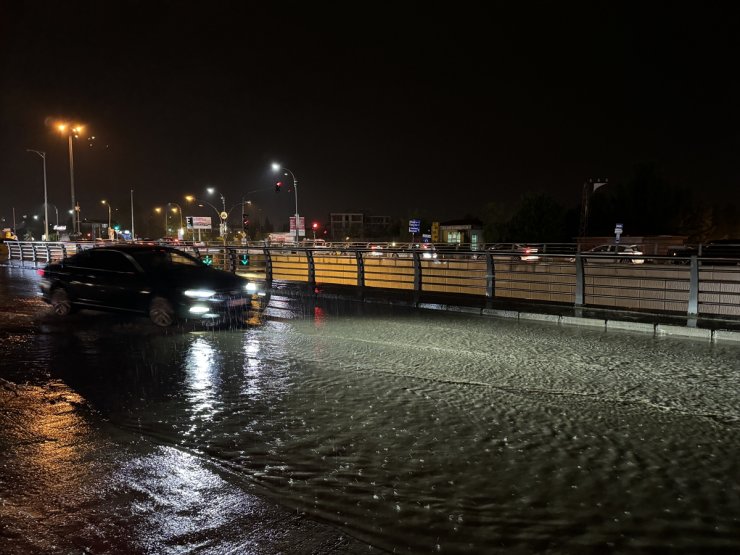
(414, 226)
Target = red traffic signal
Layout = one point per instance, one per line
(277, 186)
(315, 225)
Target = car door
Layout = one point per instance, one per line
(602, 253)
(115, 280)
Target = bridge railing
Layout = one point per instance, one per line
(666, 284)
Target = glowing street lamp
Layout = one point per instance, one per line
(72, 131)
(109, 212)
(276, 168)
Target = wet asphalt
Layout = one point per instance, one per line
(71, 482)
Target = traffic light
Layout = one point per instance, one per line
(278, 185)
(245, 221)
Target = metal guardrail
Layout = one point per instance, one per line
(693, 286)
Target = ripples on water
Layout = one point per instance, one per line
(425, 432)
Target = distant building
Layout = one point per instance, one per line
(466, 232)
(357, 225)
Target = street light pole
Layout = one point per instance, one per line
(63, 127)
(46, 207)
(179, 208)
(278, 167)
(223, 226)
(109, 214)
(133, 234)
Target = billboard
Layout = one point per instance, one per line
(198, 222)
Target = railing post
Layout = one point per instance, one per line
(417, 276)
(268, 266)
(360, 271)
(34, 255)
(232, 259)
(580, 281)
(490, 276)
(693, 309)
(64, 251)
(48, 253)
(311, 268)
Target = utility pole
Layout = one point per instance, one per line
(589, 187)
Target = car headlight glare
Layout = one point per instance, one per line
(199, 293)
(251, 287)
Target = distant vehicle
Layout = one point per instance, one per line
(162, 282)
(525, 253)
(426, 251)
(614, 254)
(725, 251)
(375, 249)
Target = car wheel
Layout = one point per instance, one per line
(60, 302)
(161, 312)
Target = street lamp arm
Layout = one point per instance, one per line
(209, 204)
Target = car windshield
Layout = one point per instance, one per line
(156, 259)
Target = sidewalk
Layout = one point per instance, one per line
(715, 329)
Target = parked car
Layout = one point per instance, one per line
(162, 282)
(614, 254)
(518, 251)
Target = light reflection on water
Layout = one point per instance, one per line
(428, 432)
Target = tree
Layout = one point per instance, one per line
(539, 219)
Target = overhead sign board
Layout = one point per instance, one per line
(414, 226)
(198, 222)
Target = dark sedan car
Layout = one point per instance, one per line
(162, 282)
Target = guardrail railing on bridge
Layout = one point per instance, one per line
(693, 285)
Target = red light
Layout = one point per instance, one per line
(40, 272)
(315, 225)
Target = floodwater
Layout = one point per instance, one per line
(406, 431)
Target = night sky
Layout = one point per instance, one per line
(388, 108)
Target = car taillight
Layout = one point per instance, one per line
(527, 250)
(40, 272)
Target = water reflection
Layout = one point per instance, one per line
(202, 364)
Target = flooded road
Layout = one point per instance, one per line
(376, 428)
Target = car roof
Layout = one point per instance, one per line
(135, 248)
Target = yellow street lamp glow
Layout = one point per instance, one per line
(158, 210)
(189, 198)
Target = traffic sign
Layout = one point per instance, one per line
(414, 226)
(208, 260)
(244, 260)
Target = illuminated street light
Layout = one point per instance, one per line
(72, 131)
(45, 235)
(277, 167)
(224, 215)
(178, 208)
(109, 212)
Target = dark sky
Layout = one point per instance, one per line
(386, 107)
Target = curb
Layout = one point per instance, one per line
(657, 330)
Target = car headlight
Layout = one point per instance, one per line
(199, 293)
(251, 287)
